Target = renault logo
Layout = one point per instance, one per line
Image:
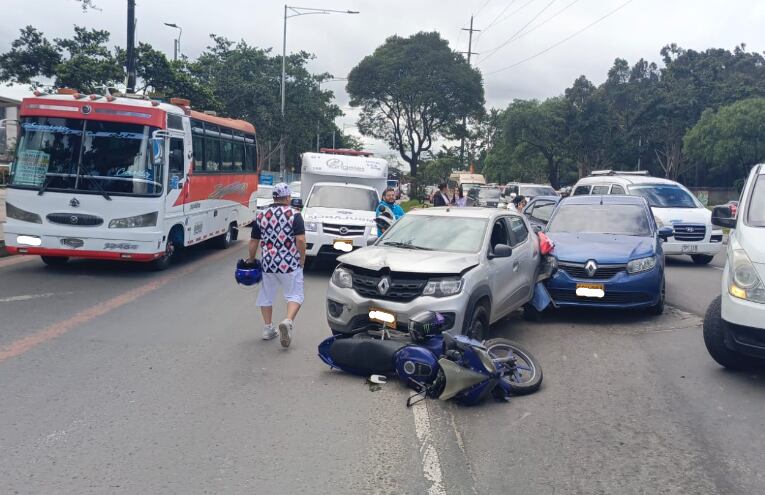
(384, 286)
(591, 267)
(74, 202)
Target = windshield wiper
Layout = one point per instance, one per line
(45, 184)
(98, 186)
(404, 245)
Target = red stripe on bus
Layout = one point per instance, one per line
(75, 253)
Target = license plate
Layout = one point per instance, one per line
(72, 243)
(590, 290)
(689, 248)
(382, 316)
(344, 245)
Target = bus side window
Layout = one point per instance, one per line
(238, 156)
(212, 154)
(175, 163)
(199, 153)
(227, 160)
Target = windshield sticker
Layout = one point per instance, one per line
(122, 135)
(58, 129)
(31, 167)
(135, 174)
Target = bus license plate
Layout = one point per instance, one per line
(689, 248)
(344, 245)
(590, 290)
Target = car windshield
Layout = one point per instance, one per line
(437, 233)
(665, 196)
(488, 194)
(531, 191)
(86, 155)
(347, 198)
(601, 219)
(756, 215)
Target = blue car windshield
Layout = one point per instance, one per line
(601, 219)
(665, 195)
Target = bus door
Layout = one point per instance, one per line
(176, 175)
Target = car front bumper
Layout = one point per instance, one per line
(621, 291)
(690, 248)
(318, 243)
(745, 328)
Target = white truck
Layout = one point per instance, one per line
(339, 191)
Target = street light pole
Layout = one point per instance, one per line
(297, 11)
(177, 41)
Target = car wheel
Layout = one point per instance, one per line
(658, 308)
(477, 327)
(702, 259)
(54, 260)
(714, 339)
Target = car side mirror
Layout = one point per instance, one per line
(723, 217)
(501, 251)
(666, 232)
(296, 203)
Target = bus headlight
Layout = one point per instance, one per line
(22, 215)
(145, 220)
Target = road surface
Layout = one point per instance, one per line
(119, 380)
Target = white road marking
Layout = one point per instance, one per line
(27, 297)
(431, 464)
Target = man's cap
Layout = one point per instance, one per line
(282, 190)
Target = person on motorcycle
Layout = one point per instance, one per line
(389, 203)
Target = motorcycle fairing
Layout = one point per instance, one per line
(416, 365)
(458, 378)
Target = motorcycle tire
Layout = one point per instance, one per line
(531, 378)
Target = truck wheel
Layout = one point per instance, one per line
(714, 339)
(702, 259)
(477, 327)
(54, 260)
(225, 240)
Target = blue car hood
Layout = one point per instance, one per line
(603, 248)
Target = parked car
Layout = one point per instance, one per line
(421, 264)
(540, 209)
(673, 206)
(609, 253)
(487, 196)
(528, 191)
(734, 326)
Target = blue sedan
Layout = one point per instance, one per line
(609, 253)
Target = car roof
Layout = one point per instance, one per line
(470, 212)
(624, 180)
(597, 199)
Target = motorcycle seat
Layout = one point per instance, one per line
(366, 356)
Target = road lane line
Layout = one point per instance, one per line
(15, 260)
(431, 464)
(27, 297)
(19, 347)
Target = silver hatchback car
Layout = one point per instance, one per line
(472, 265)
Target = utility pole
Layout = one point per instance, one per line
(464, 119)
(130, 46)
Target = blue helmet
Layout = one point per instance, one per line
(248, 273)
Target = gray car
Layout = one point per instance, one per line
(472, 265)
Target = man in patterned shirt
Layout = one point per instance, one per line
(279, 231)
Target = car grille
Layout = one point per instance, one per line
(604, 272)
(343, 230)
(77, 219)
(611, 297)
(689, 233)
(403, 286)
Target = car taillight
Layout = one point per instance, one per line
(545, 244)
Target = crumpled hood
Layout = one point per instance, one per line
(335, 215)
(603, 248)
(410, 260)
(671, 216)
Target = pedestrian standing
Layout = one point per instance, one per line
(388, 204)
(520, 203)
(440, 198)
(460, 200)
(279, 232)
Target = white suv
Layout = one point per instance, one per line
(734, 327)
(673, 206)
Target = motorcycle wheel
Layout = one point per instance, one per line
(526, 376)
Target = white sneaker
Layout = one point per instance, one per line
(269, 332)
(285, 330)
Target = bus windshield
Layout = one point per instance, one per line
(86, 155)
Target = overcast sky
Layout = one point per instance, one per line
(629, 29)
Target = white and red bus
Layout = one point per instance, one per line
(126, 178)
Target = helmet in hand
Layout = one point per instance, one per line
(248, 273)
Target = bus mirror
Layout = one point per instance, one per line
(157, 151)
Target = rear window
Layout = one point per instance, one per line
(600, 189)
(756, 214)
(581, 191)
(601, 219)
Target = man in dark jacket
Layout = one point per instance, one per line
(440, 198)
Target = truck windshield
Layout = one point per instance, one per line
(437, 233)
(601, 219)
(85, 155)
(756, 214)
(665, 196)
(347, 198)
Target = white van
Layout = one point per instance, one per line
(734, 327)
(673, 206)
(339, 191)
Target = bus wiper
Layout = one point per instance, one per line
(98, 186)
(45, 184)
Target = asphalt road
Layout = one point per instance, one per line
(119, 380)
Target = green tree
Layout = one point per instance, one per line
(31, 56)
(413, 91)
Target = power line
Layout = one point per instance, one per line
(609, 14)
(544, 22)
(517, 33)
(494, 21)
(511, 14)
(482, 7)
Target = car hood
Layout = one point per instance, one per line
(317, 214)
(671, 216)
(603, 248)
(410, 260)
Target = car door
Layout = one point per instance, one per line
(502, 280)
(525, 261)
(539, 211)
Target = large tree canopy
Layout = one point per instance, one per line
(412, 91)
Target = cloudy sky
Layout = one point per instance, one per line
(542, 45)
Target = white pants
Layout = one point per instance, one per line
(291, 284)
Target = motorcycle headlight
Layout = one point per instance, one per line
(311, 226)
(342, 277)
(743, 280)
(443, 287)
(641, 265)
(145, 220)
(22, 215)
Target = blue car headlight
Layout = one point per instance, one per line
(641, 264)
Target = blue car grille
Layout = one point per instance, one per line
(604, 272)
(611, 297)
(689, 232)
